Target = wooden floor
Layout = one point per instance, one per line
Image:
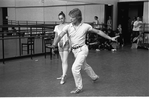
(122, 73)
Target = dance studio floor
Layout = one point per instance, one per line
(122, 73)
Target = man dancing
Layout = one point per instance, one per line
(77, 31)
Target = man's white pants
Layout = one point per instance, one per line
(80, 62)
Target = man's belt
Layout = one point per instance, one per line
(76, 47)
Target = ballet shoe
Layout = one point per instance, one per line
(59, 77)
(63, 80)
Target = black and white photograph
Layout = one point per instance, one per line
(74, 48)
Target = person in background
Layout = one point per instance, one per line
(63, 46)
(96, 23)
(109, 23)
(132, 22)
(136, 29)
(77, 31)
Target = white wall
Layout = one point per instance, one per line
(43, 13)
(146, 12)
(54, 2)
(30, 14)
(7, 3)
(25, 14)
(88, 12)
(50, 13)
(19, 3)
(11, 13)
(131, 0)
(94, 10)
(94, 1)
(146, 16)
(46, 14)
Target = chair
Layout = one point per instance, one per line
(29, 45)
(47, 43)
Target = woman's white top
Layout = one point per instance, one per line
(65, 37)
(137, 25)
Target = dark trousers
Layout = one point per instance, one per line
(120, 39)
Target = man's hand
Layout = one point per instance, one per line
(114, 38)
(53, 46)
(53, 49)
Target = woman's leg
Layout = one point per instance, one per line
(64, 59)
(64, 62)
(61, 56)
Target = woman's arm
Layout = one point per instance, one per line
(58, 38)
(56, 35)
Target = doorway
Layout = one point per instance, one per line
(108, 12)
(4, 18)
(126, 13)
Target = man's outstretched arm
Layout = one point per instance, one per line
(101, 33)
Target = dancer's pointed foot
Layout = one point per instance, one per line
(59, 77)
(63, 80)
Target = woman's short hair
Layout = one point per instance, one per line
(76, 13)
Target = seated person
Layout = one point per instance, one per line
(137, 41)
(92, 40)
(106, 44)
